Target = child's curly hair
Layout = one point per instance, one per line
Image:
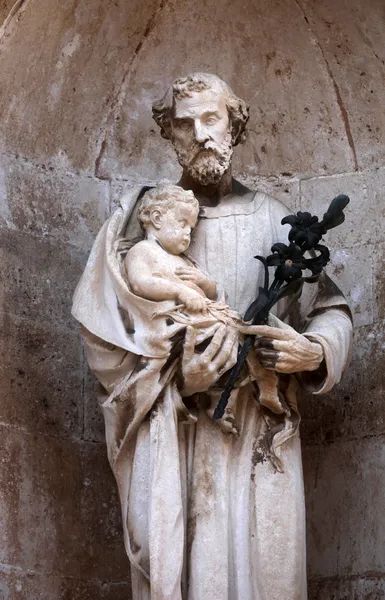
(163, 197)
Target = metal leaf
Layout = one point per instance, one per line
(257, 305)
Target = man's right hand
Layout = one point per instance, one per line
(201, 371)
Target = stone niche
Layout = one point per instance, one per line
(77, 82)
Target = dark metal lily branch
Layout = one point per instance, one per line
(305, 234)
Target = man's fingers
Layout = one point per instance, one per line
(279, 345)
(282, 363)
(271, 366)
(226, 350)
(184, 270)
(274, 333)
(189, 344)
(232, 358)
(265, 353)
(215, 344)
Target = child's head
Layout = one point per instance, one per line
(171, 213)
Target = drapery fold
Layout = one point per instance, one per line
(205, 515)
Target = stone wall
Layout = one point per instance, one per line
(78, 79)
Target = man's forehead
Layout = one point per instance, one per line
(207, 101)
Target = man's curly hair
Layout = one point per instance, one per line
(197, 82)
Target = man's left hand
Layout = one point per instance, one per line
(286, 350)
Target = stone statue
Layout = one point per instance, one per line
(156, 267)
(209, 513)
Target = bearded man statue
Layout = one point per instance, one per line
(208, 515)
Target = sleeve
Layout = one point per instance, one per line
(323, 315)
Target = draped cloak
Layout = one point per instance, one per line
(206, 515)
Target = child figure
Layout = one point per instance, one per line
(158, 270)
(156, 267)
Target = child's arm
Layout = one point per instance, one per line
(143, 283)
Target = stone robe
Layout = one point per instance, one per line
(206, 516)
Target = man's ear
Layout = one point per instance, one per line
(156, 218)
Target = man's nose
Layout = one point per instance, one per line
(200, 132)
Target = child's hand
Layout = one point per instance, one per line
(200, 279)
(192, 300)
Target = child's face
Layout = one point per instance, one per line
(175, 228)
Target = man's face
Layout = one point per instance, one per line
(201, 135)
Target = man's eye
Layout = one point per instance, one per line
(211, 120)
(185, 125)
(183, 223)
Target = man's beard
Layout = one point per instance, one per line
(206, 163)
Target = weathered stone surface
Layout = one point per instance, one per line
(38, 277)
(5, 8)
(284, 189)
(358, 588)
(355, 408)
(283, 77)
(379, 282)
(59, 508)
(345, 486)
(79, 68)
(46, 201)
(41, 377)
(352, 36)
(116, 591)
(118, 188)
(352, 270)
(93, 417)
(17, 584)
(365, 214)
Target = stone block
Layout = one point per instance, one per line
(68, 80)
(93, 417)
(355, 407)
(38, 277)
(59, 508)
(17, 584)
(345, 496)
(352, 39)
(364, 223)
(357, 588)
(295, 125)
(41, 377)
(119, 188)
(116, 591)
(284, 189)
(379, 282)
(352, 270)
(48, 202)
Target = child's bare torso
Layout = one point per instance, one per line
(149, 255)
(163, 264)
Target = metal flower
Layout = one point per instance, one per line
(289, 261)
(306, 229)
(304, 237)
